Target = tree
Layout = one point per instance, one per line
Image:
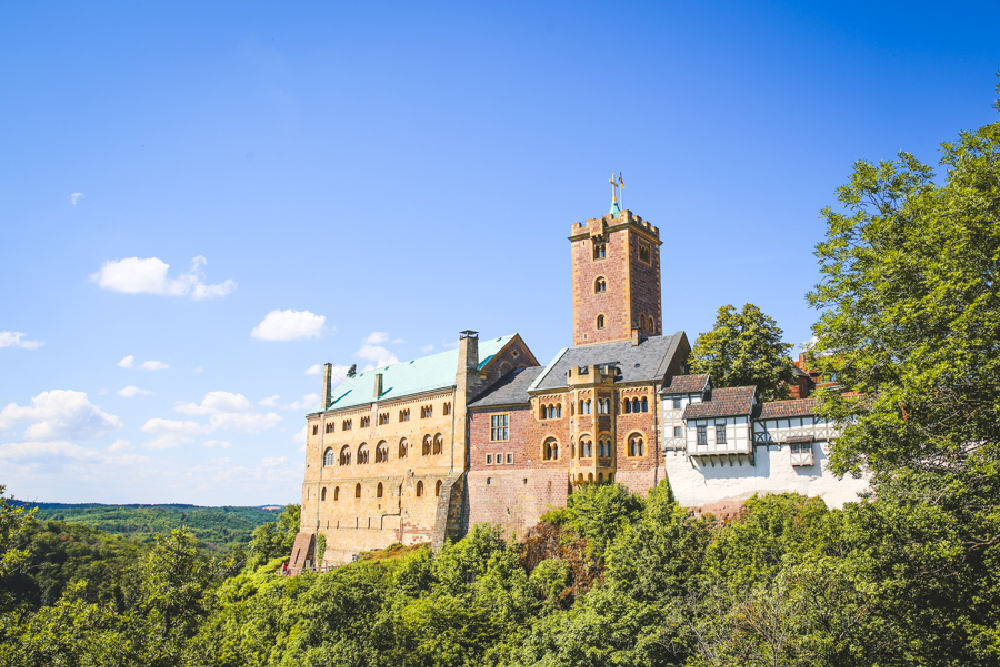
(745, 348)
(910, 300)
(14, 520)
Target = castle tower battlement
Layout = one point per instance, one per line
(616, 278)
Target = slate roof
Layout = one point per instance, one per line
(798, 408)
(434, 371)
(686, 384)
(646, 361)
(723, 402)
(511, 389)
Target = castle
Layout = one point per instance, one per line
(421, 451)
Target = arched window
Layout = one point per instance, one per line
(378, 490)
(600, 285)
(403, 447)
(590, 477)
(600, 321)
(357, 490)
(545, 412)
(336, 493)
(600, 477)
(635, 404)
(328, 456)
(586, 447)
(322, 493)
(550, 449)
(627, 406)
(420, 488)
(382, 452)
(345, 455)
(635, 445)
(438, 444)
(559, 411)
(437, 488)
(425, 448)
(363, 453)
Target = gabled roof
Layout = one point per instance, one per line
(723, 402)
(511, 389)
(802, 407)
(647, 361)
(435, 371)
(686, 384)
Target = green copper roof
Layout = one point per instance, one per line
(435, 371)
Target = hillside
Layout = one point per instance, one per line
(215, 527)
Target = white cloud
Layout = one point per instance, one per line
(226, 411)
(132, 390)
(135, 275)
(269, 402)
(245, 422)
(60, 414)
(377, 337)
(221, 444)
(308, 402)
(74, 197)
(378, 355)
(119, 446)
(426, 348)
(315, 369)
(198, 369)
(128, 361)
(285, 325)
(171, 433)
(13, 339)
(153, 366)
(216, 402)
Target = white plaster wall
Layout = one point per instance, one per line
(694, 483)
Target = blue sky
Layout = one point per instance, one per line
(361, 182)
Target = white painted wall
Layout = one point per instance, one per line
(695, 483)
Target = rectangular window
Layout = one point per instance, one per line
(446, 409)
(383, 418)
(426, 411)
(600, 250)
(720, 434)
(404, 415)
(678, 431)
(315, 429)
(702, 434)
(489, 459)
(329, 427)
(510, 458)
(676, 403)
(500, 428)
(644, 253)
(366, 421)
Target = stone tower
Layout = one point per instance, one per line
(616, 278)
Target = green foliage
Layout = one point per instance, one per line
(14, 521)
(596, 512)
(217, 528)
(745, 348)
(274, 539)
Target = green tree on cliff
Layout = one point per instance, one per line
(745, 347)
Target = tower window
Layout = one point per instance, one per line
(600, 285)
(644, 253)
(329, 427)
(426, 411)
(345, 425)
(636, 447)
(550, 450)
(420, 488)
(403, 448)
(383, 418)
(328, 456)
(404, 415)
(378, 490)
(600, 250)
(446, 409)
(600, 321)
(315, 429)
(366, 421)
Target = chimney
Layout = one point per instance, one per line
(468, 351)
(327, 372)
(635, 335)
(377, 391)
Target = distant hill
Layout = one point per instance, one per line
(216, 527)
